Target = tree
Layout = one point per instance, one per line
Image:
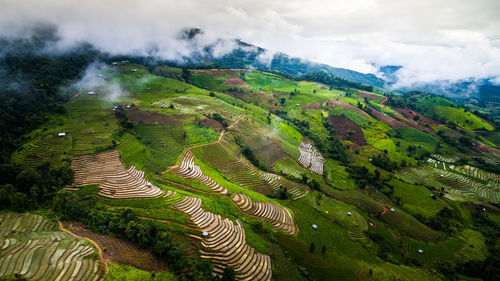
(228, 274)
(26, 179)
(186, 75)
(312, 247)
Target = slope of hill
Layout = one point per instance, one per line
(253, 172)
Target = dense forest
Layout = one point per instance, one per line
(33, 82)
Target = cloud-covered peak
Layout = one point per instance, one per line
(432, 40)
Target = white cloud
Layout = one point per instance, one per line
(433, 40)
(94, 81)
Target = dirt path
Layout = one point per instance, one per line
(384, 100)
(76, 95)
(101, 254)
(222, 133)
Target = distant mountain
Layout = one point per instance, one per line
(388, 73)
(244, 55)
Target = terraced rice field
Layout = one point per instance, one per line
(289, 167)
(165, 143)
(179, 106)
(189, 170)
(434, 253)
(277, 215)
(91, 123)
(34, 248)
(50, 149)
(117, 250)
(310, 157)
(196, 105)
(416, 199)
(225, 244)
(478, 173)
(454, 183)
(447, 159)
(355, 224)
(239, 170)
(329, 234)
(106, 170)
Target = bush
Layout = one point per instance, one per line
(30, 189)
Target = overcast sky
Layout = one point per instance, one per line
(432, 39)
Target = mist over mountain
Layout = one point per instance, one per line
(437, 43)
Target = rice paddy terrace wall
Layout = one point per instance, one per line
(478, 173)
(239, 170)
(32, 246)
(225, 244)
(278, 216)
(189, 170)
(51, 149)
(106, 170)
(310, 157)
(454, 183)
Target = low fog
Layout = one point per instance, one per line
(94, 81)
(433, 41)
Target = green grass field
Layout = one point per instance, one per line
(444, 110)
(119, 272)
(415, 199)
(165, 144)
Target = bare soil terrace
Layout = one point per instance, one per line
(345, 128)
(118, 250)
(152, 117)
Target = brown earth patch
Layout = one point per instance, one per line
(406, 116)
(488, 207)
(235, 81)
(486, 149)
(316, 105)
(410, 114)
(452, 134)
(393, 123)
(261, 98)
(216, 72)
(267, 149)
(347, 129)
(118, 250)
(152, 117)
(367, 95)
(210, 123)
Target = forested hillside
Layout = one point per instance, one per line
(132, 167)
